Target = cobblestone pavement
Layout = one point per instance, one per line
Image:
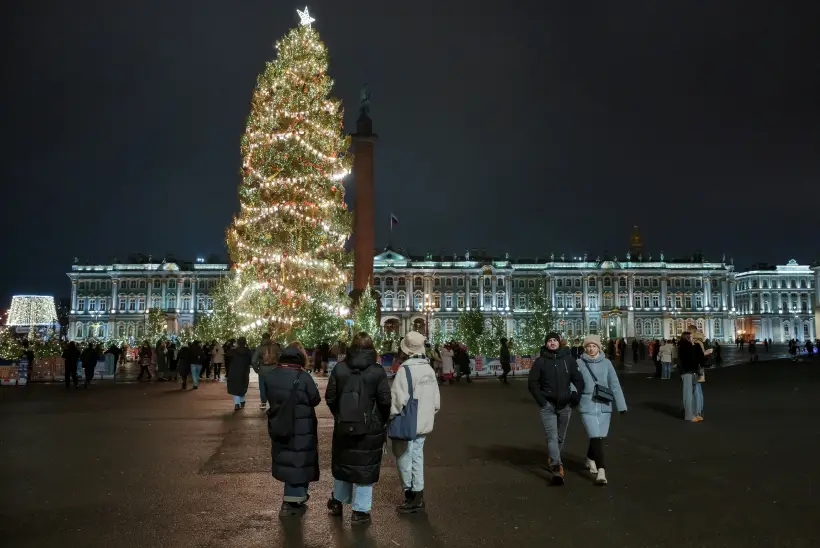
(150, 465)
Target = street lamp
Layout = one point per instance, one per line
(428, 311)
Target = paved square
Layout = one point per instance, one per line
(149, 465)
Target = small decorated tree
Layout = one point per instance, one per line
(156, 326)
(470, 330)
(539, 322)
(365, 317)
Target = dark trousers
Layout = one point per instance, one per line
(596, 452)
(71, 373)
(89, 374)
(217, 367)
(144, 369)
(657, 369)
(505, 371)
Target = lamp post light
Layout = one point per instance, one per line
(428, 311)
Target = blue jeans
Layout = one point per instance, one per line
(556, 422)
(666, 370)
(196, 369)
(238, 400)
(698, 399)
(410, 462)
(295, 493)
(361, 496)
(263, 371)
(688, 380)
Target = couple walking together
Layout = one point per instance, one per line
(559, 383)
(363, 405)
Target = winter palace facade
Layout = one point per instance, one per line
(631, 298)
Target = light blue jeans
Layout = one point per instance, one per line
(688, 380)
(555, 422)
(238, 400)
(361, 496)
(666, 370)
(196, 369)
(263, 371)
(698, 398)
(295, 493)
(410, 462)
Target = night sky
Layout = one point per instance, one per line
(520, 127)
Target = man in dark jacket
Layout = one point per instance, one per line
(504, 358)
(551, 380)
(71, 355)
(195, 356)
(688, 365)
(357, 458)
(295, 459)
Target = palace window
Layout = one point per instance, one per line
(140, 303)
(688, 301)
(473, 282)
(402, 300)
(607, 282)
(656, 326)
(531, 284)
(715, 300)
(500, 282)
(805, 330)
(637, 300)
(201, 302)
(186, 284)
(157, 284)
(558, 283)
(172, 302)
(716, 327)
(699, 300)
(436, 300)
(520, 284)
(623, 299)
(123, 304)
(786, 327)
(448, 282)
(156, 301)
(638, 328)
(656, 300)
(646, 301)
(377, 282)
(499, 300)
(79, 331)
(593, 327)
(172, 284)
(638, 282)
(121, 330)
(82, 286)
(92, 304)
(387, 301)
(133, 284)
(559, 300)
(608, 301)
(593, 301)
(460, 301)
(418, 282)
(81, 304)
(622, 282)
(388, 282)
(578, 301)
(186, 303)
(577, 282)
(474, 301)
(678, 301)
(418, 300)
(488, 301)
(448, 300)
(132, 304)
(487, 282)
(460, 282)
(142, 284)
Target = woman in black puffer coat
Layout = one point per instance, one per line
(357, 458)
(295, 460)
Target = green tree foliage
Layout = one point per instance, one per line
(539, 322)
(156, 327)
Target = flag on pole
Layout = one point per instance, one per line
(393, 222)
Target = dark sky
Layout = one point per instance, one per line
(525, 127)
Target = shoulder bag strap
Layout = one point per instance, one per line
(409, 381)
(594, 378)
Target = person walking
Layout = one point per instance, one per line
(358, 396)
(504, 358)
(716, 348)
(112, 355)
(622, 352)
(89, 358)
(240, 374)
(701, 358)
(688, 366)
(294, 458)
(173, 361)
(265, 359)
(424, 389)
(462, 359)
(218, 358)
(162, 361)
(144, 358)
(600, 392)
(665, 356)
(184, 365)
(447, 369)
(551, 379)
(195, 355)
(71, 356)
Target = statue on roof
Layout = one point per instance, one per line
(552, 257)
(467, 255)
(364, 101)
(661, 256)
(628, 255)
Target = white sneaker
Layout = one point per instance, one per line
(601, 479)
(591, 466)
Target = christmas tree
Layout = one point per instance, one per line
(365, 318)
(287, 242)
(539, 322)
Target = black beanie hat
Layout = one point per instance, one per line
(553, 335)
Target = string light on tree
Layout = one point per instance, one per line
(287, 242)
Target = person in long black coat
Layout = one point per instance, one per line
(89, 358)
(357, 460)
(184, 364)
(239, 375)
(294, 460)
(71, 355)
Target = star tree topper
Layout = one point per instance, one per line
(305, 17)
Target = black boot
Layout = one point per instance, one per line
(236, 407)
(334, 507)
(292, 509)
(414, 505)
(360, 518)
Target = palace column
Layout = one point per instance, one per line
(364, 141)
(73, 296)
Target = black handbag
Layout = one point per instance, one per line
(600, 393)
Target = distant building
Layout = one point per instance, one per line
(775, 302)
(114, 300)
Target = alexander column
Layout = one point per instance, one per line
(364, 141)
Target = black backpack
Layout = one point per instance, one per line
(282, 419)
(354, 416)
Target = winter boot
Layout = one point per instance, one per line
(236, 407)
(414, 505)
(292, 509)
(334, 507)
(601, 478)
(242, 405)
(360, 518)
(591, 466)
(557, 475)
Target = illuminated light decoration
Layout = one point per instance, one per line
(305, 17)
(32, 310)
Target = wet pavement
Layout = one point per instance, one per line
(149, 465)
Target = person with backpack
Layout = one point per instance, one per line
(358, 396)
(505, 360)
(292, 427)
(195, 357)
(239, 377)
(265, 359)
(415, 400)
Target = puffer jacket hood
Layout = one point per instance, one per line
(361, 359)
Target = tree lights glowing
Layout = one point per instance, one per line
(32, 310)
(287, 242)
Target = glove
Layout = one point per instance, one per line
(623, 412)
